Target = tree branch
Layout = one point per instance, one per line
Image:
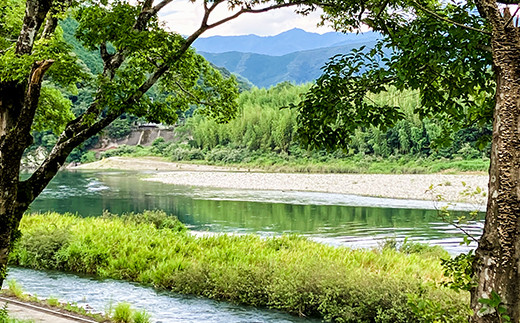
(434, 14)
(32, 96)
(76, 132)
(50, 26)
(114, 61)
(29, 189)
(513, 16)
(250, 10)
(161, 5)
(35, 13)
(192, 95)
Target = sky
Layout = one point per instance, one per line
(184, 17)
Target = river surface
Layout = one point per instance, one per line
(337, 219)
(98, 295)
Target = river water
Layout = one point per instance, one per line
(336, 219)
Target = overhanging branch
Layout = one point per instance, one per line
(437, 16)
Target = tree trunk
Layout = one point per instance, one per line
(498, 254)
(12, 145)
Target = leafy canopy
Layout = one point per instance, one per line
(189, 81)
(449, 65)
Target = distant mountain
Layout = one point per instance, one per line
(265, 71)
(291, 41)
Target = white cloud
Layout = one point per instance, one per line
(184, 17)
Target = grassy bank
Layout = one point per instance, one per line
(301, 163)
(120, 313)
(288, 273)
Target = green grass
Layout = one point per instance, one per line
(327, 163)
(288, 273)
(141, 317)
(123, 313)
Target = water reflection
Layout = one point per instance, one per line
(321, 216)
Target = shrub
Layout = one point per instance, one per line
(123, 313)
(141, 317)
(178, 153)
(226, 155)
(289, 273)
(88, 157)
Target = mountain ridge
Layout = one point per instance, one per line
(287, 42)
(266, 70)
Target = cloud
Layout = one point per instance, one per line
(185, 17)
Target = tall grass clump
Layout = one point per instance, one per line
(288, 273)
(123, 313)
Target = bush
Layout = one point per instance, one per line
(159, 219)
(179, 153)
(141, 317)
(88, 157)
(289, 273)
(226, 155)
(123, 313)
(123, 150)
(119, 128)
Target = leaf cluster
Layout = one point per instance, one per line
(448, 65)
(190, 80)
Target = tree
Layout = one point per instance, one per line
(137, 55)
(463, 58)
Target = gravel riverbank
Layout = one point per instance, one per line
(452, 188)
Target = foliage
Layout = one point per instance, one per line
(262, 127)
(265, 135)
(494, 303)
(53, 301)
(119, 128)
(141, 317)
(446, 64)
(122, 313)
(260, 124)
(15, 289)
(4, 316)
(460, 272)
(298, 160)
(289, 273)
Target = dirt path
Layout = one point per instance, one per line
(38, 314)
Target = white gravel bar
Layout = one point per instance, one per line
(452, 188)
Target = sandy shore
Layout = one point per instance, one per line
(452, 188)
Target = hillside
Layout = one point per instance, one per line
(245, 55)
(265, 71)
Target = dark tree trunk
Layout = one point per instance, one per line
(10, 156)
(498, 254)
(18, 103)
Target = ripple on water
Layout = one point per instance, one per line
(163, 306)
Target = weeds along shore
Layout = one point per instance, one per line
(288, 273)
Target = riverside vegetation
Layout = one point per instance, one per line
(288, 273)
(263, 135)
(119, 313)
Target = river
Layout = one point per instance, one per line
(337, 219)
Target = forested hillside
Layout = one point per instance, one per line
(265, 70)
(265, 135)
(295, 56)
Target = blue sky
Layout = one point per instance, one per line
(184, 17)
